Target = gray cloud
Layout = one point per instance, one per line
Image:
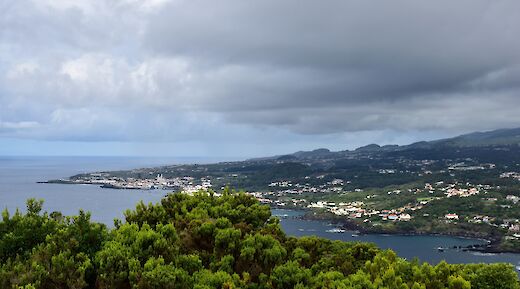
(161, 70)
(350, 51)
(350, 65)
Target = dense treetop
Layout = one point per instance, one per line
(205, 241)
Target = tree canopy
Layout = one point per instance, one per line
(204, 241)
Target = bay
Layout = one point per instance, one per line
(425, 248)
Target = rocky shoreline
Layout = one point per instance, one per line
(491, 245)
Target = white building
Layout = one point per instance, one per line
(451, 216)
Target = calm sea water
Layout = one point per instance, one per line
(18, 177)
(422, 247)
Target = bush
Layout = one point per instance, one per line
(204, 241)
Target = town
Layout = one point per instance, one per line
(424, 188)
(371, 208)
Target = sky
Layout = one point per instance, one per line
(251, 78)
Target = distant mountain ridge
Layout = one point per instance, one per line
(488, 138)
(499, 137)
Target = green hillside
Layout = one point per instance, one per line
(205, 241)
(490, 138)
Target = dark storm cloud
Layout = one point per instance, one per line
(287, 60)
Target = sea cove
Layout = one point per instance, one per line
(425, 248)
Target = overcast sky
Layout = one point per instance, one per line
(251, 78)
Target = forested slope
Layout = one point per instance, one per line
(204, 241)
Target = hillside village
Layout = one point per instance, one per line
(452, 186)
(366, 207)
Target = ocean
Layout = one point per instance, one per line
(19, 177)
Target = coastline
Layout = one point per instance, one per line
(490, 245)
(103, 185)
